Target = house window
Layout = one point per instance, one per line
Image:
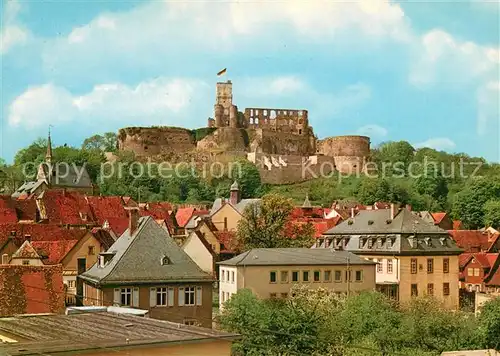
(413, 265)
(284, 276)
(189, 296)
(317, 276)
(305, 276)
(165, 261)
(389, 265)
(414, 290)
(446, 265)
(222, 274)
(91, 250)
(380, 267)
(272, 295)
(272, 277)
(328, 276)
(338, 276)
(430, 265)
(161, 296)
(476, 272)
(430, 289)
(225, 224)
(470, 271)
(446, 289)
(389, 243)
(71, 284)
(26, 262)
(232, 276)
(370, 243)
(284, 295)
(295, 276)
(126, 296)
(359, 276)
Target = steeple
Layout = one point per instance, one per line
(235, 196)
(307, 203)
(48, 155)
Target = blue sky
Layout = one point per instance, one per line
(425, 72)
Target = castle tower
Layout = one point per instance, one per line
(235, 195)
(223, 97)
(233, 116)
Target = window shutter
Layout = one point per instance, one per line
(135, 297)
(181, 296)
(116, 297)
(171, 297)
(152, 297)
(198, 295)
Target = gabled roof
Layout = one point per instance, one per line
(202, 239)
(438, 217)
(457, 224)
(183, 215)
(228, 241)
(158, 210)
(103, 236)
(37, 232)
(137, 259)
(53, 252)
(240, 207)
(26, 251)
(380, 222)
(69, 176)
(294, 257)
(107, 207)
(118, 225)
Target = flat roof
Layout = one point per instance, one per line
(51, 334)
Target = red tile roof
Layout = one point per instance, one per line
(118, 225)
(103, 236)
(7, 210)
(183, 215)
(438, 217)
(26, 209)
(300, 212)
(26, 251)
(65, 207)
(471, 240)
(457, 224)
(53, 252)
(228, 241)
(104, 208)
(38, 232)
(158, 210)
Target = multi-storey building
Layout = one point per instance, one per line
(414, 257)
(272, 272)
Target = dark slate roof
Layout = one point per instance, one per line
(137, 259)
(75, 333)
(293, 257)
(66, 175)
(379, 222)
(240, 207)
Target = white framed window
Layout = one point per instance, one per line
(222, 274)
(476, 272)
(126, 296)
(389, 265)
(470, 271)
(187, 296)
(380, 266)
(71, 284)
(232, 276)
(161, 296)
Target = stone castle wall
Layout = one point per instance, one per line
(357, 146)
(150, 141)
(284, 143)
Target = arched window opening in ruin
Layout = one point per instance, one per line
(251, 121)
(300, 113)
(265, 112)
(354, 166)
(273, 114)
(251, 112)
(285, 112)
(300, 121)
(256, 112)
(145, 148)
(256, 121)
(300, 131)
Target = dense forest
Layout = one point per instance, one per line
(467, 187)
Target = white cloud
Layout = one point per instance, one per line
(373, 131)
(438, 143)
(149, 102)
(12, 32)
(488, 110)
(442, 58)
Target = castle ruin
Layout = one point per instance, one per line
(279, 141)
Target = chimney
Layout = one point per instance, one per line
(352, 213)
(133, 219)
(5, 259)
(235, 196)
(392, 211)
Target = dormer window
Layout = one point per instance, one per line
(370, 243)
(165, 261)
(380, 243)
(389, 243)
(443, 241)
(105, 258)
(83, 216)
(428, 241)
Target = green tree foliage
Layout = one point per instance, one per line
(489, 324)
(248, 177)
(266, 225)
(107, 142)
(319, 322)
(492, 213)
(469, 204)
(395, 155)
(433, 184)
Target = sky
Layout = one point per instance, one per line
(426, 72)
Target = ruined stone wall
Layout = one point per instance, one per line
(358, 146)
(285, 143)
(225, 139)
(148, 141)
(285, 120)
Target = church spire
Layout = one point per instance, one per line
(48, 155)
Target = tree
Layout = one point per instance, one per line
(431, 182)
(397, 155)
(468, 205)
(107, 142)
(264, 225)
(489, 324)
(492, 213)
(248, 177)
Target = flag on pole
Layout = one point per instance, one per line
(221, 72)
